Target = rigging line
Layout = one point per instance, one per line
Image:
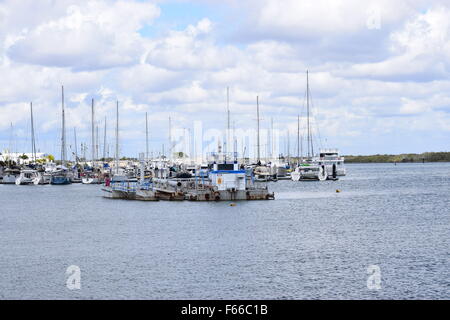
(302, 125)
(316, 122)
(36, 138)
(25, 142)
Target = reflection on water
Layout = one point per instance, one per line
(311, 242)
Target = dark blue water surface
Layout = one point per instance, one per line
(310, 243)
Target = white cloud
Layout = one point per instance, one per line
(191, 49)
(413, 106)
(292, 19)
(420, 50)
(90, 35)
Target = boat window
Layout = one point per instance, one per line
(225, 166)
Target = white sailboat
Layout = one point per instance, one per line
(28, 176)
(119, 187)
(308, 169)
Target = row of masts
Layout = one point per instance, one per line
(310, 151)
(95, 137)
(93, 131)
(95, 134)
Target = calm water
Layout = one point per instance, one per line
(309, 243)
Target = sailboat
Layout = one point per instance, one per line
(261, 172)
(119, 187)
(29, 175)
(308, 169)
(91, 177)
(61, 175)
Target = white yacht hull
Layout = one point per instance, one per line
(23, 181)
(295, 176)
(309, 173)
(9, 179)
(41, 179)
(90, 181)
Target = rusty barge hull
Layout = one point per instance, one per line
(222, 195)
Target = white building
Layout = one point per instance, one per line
(6, 156)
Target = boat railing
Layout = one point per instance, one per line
(124, 186)
(147, 185)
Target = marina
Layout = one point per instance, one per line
(230, 155)
(309, 243)
(220, 176)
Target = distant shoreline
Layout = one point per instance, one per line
(400, 158)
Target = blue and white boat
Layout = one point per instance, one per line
(60, 177)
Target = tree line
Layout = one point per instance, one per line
(405, 157)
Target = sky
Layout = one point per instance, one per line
(378, 71)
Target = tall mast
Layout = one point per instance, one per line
(234, 142)
(228, 121)
(298, 139)
(92, 132)
(146, 137)
(307, 111)
(33, 145)
(288, 147)
(63, 134)
(76, 147)
(104, 143)
(117, 137)
(257, 136)
(10, 144)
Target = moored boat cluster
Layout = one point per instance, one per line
(222, 177)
